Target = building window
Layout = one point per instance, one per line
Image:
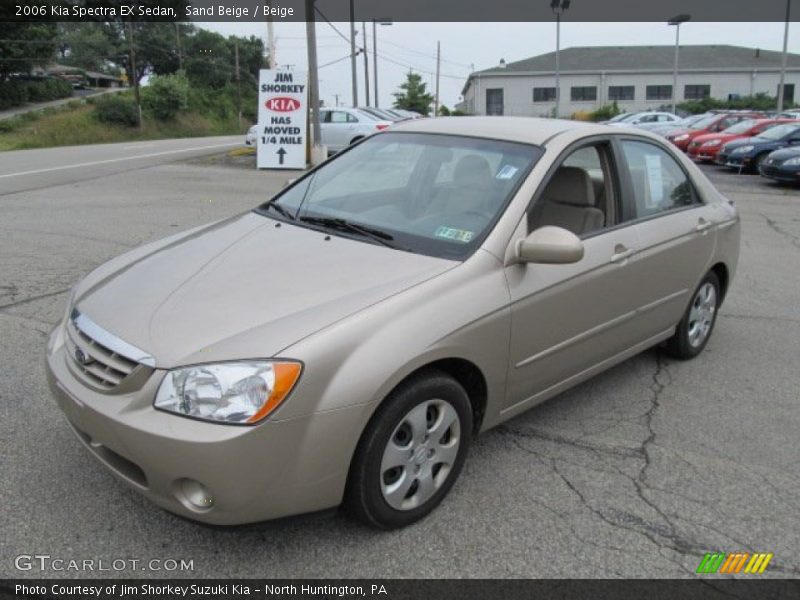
(659, 92)
(585, 93)
(494, 101)
(696, 92)
(788, 93)
(621, 92)
(544, 94)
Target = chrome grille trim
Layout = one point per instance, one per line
(109, 341)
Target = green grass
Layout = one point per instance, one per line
(74, 124)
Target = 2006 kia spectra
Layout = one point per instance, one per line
(344, 342)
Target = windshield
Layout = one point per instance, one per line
(428, 193)
(740, 127)
(776, 133)
(703, 123)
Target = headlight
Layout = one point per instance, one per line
(241, 392)
(742, 149)
(712, 143)
(683, 136)
(792, 162)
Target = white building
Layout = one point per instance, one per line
(637, 77)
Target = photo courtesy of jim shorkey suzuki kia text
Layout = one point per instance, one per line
(177, 590)
(131, 10)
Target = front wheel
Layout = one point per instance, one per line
(411, 452)
(698, 321)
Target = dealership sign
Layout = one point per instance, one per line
(282, 109)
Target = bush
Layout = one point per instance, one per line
(757, 102)
(12, 93)
(581, 115)
(605, 112)
(165, 96)
(116, 109)
(48, 89)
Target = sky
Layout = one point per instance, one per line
(476, 45)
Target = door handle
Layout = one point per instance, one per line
(621, 254)
(702, 225)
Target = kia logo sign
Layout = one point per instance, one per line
(282, 104)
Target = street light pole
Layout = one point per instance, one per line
(384, 21)
(558, 7)
(781, 86)
(676, 21)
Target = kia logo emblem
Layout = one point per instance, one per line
(282, 104)
(82, 357)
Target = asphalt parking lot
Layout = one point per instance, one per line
(637, 473)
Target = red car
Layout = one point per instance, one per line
(711, 124)
(705, 147)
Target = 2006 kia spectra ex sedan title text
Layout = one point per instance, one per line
(345, 341)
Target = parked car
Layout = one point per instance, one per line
(705, 147)
(251, 136)
(382, 114)
(341, 126)
(347, 339)
(712, 124)
(666, 128)
(782, 165)
(617, 118)
(406, 114)
(649, 119)
(746, 154)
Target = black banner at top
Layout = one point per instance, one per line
(397, 10)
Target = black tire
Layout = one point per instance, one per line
(680, 345)
(364, 498)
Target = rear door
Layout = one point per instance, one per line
(674, 229)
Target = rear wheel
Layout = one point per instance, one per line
(759, 161)
(698, 321)
(411, 452)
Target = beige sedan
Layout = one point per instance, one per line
(345, 341)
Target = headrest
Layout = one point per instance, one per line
(472, 170)
(570, 185)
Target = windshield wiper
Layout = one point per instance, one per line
(343, 225)
(279, 209)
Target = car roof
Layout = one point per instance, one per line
(528, 130)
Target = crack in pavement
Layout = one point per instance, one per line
(773, 224)
(34, 298)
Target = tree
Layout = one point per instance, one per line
(24, 46)
(414, 95)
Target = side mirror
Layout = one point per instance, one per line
(550, 245)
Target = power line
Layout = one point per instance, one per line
(341, 35)
(431, 56)
(333, 62)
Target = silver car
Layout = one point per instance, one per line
(345, 341)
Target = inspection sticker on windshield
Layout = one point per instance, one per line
(459, 235)
(507, 172)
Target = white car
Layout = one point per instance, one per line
(648, 120)
(251, 136)
(344, 126)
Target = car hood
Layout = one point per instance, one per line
(678, 131)
(785, 153)
(754, 140)
(247, 287)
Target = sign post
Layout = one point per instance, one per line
(282, 110)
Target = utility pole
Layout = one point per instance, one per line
(178, 44)
(438, 62)
(313, 83)
(366, 61)
(558, 7)
(781, 86)
(353, 52)
(336, 96)
(271, 62)
(134, 74)
(375, 22)
(238, 83)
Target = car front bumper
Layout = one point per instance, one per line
(214, 473)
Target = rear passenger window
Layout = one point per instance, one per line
(659, 183)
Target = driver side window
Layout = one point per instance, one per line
(578, 195)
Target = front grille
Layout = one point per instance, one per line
(97, 356)
(104, 367)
